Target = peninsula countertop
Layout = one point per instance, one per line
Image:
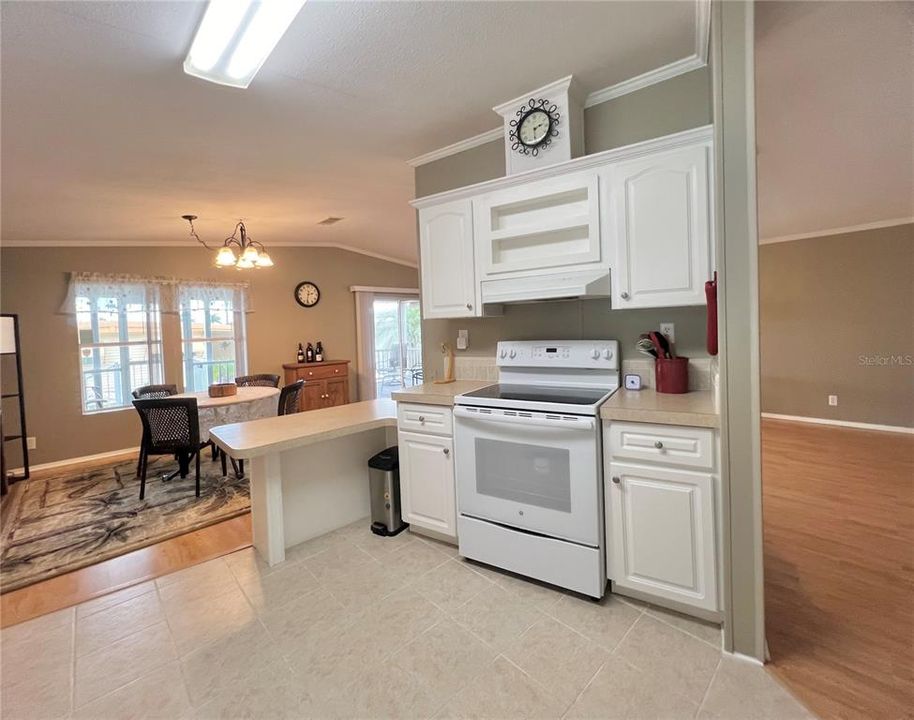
(695, 409)
(443, 394)
(275, 434)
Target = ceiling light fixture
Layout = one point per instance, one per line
(235, 37)
(250, 253)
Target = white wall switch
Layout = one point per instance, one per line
(463, 339)
(833, 400)
(31, 443)
(668, 329)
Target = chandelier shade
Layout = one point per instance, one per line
(238, 250)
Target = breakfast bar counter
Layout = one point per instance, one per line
(308, 471)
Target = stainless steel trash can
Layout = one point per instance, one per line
(384, 485)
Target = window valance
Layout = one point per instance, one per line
(165, 293)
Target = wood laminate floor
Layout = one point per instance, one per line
(839, 567)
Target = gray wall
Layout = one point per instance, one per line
(836, 319)
(681, 103)
(33, 284)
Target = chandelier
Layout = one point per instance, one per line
(249, 253)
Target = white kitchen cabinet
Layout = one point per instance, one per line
(661, 533)
(657, 211)
(427, 493)
(448, 271)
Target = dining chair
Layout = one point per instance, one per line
(289, 397)
(261, 380)
(147, 392)
(171, 426)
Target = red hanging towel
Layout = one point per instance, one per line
(711, 295)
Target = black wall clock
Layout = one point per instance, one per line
(306, 294)
(534, 126)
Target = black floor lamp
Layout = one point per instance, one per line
(9, 345)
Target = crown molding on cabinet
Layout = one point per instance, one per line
(838, 231)
(695, 61)
(668, 142)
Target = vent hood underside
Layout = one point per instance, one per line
(553, 286)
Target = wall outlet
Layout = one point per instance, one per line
(31, 443)
(833, 400)
(668, 329)
(463, 339)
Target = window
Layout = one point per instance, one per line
(120, 344)
(212, 336)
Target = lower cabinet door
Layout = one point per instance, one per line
(312, 397)
(660, 530)
(427, 493)
(337, 391)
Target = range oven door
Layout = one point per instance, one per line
(534, 471)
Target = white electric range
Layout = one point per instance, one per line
(528, 455)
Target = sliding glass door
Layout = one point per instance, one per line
(397, 329)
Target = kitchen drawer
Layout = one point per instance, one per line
(433, 419)
(321, 372)
(665, 444)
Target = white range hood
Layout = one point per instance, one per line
(553, 286)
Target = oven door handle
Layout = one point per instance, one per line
(577, 424)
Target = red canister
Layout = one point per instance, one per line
(672, 375)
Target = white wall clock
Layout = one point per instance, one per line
(307, 294)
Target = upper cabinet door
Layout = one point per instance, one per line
(660, 219)
(446, 256)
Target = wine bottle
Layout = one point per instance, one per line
(309, 354)
(319, 352)
(301, 354)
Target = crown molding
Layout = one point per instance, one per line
(184, 243)
(651, 77)
(698, 59)
(838, 231)
(457, 147)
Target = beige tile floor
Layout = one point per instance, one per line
(357, 626)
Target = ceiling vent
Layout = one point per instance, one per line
(330, 220)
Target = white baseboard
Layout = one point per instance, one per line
(840, 423)
(77, 460)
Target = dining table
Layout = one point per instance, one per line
(250, 403)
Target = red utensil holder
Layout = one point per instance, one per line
(672, 375)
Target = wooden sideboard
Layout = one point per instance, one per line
(326, 383)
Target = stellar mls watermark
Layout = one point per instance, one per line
(885, 360)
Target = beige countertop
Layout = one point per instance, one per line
(275, 434)
(432, 394)
(695, 408)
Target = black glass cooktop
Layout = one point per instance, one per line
(535, 393)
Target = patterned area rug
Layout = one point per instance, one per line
(66, 521)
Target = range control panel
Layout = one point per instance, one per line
(598, 354)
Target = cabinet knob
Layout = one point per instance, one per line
(625, 296)
(658, 445)
(447, 451)
(336, 371)
(617, 479)
(311, 372)
(469, 306)
(422, 418)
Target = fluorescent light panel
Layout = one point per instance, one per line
(236, 37)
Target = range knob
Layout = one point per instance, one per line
(503, 353)
(607, 354)
(595, 354)
(513, 353)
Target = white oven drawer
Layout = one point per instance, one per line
(435, 419)
(666, 444)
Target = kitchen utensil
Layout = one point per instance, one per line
(646, 346)
(661, 344)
